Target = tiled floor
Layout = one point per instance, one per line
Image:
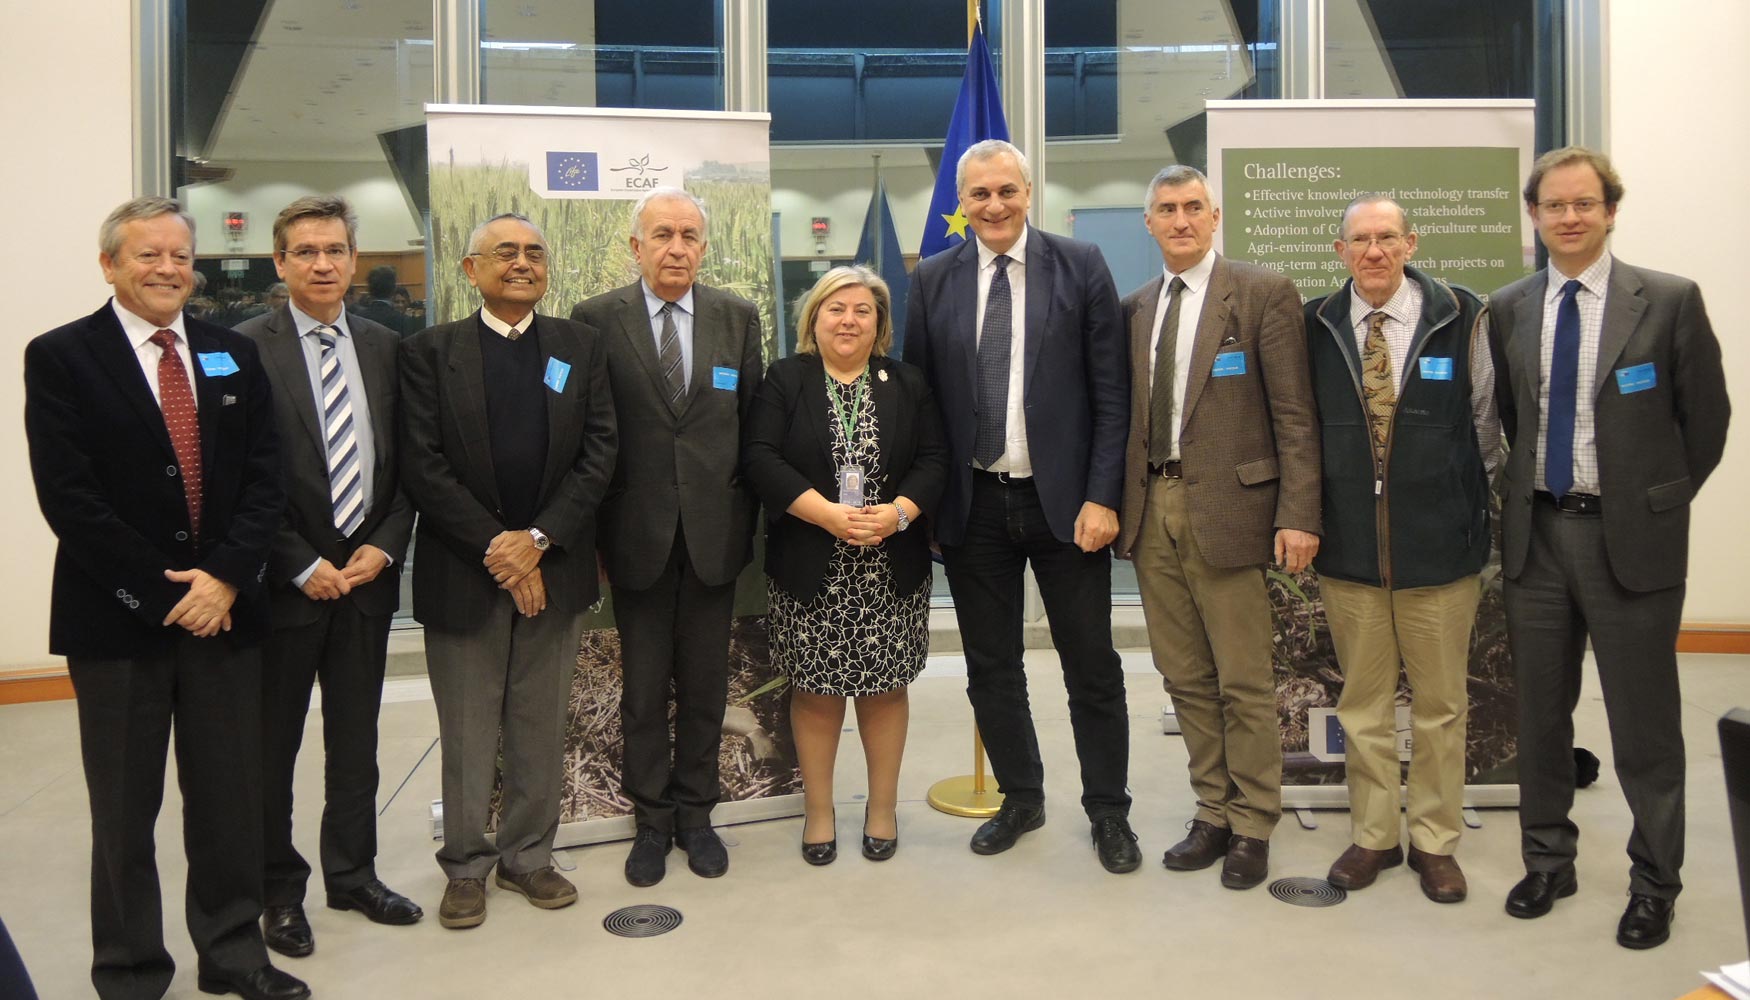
(1040, 921)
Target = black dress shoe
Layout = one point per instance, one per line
(1248, 861)
(1115, 843)
(1537, 892)
(706, 855)
(1000, 832)
(265, 983)
(1646, 923)
(287, 931)
(879, 848)
(646, 865)
(1203, 846)
(377, 902)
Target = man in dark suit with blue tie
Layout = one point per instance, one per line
(153, 448)
(1020, 336)
(1613, 399)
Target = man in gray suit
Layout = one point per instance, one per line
(1613, 398)
(508, 443)
(334, 573)
(684, 363)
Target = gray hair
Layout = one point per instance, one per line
(478, 236)
(1177, 175)
(1373, 198)
(667, 194)
(989, 149)
(109, 235)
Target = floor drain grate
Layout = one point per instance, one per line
(642, 921)
(1307, 892)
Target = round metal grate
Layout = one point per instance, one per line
(642, 921)
(1307, 892)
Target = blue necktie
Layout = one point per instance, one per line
(1564, 394)
(345, 476)
(993, 369)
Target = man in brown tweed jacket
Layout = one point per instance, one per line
(1220, 477)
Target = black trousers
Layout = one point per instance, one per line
(674, 635)
(345, 651)
(1565, 593)
(1006, 530)
(208, 693)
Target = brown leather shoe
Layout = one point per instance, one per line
(544, 887)
(1359, 866)
(1248, 861)
(1203, 846)
(464, 903)
(1442, 879)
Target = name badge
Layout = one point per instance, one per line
(1636, 379)
(725, 378)
(217, 363)
(557, 373)
(1229, 363)
(851, 485)
(1436, 369)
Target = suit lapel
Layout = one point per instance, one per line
(963, 299)
(1217, 306)
(109, 344)
(466, 387)
(559, 342)
(706, 325)
(634, 326)
(884, 397)
(1528, 340)
(1623, 306)
(815, 407)
(1041, 270)
(1142, 335)
(377, 358)
(207, 393)
(282, 352)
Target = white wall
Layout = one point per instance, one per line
(1680, 139)
(68, 116)
(260, 188)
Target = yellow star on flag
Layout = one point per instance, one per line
(956, 222)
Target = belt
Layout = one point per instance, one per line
(1574, 503)
(1170, 470)
(1003, 477)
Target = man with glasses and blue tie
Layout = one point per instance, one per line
(1613, 399)
(335, 569)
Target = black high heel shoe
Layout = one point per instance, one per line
(879, 848)
(825, 853)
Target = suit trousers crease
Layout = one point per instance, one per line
(129, 710)
(345, 651)
(674, 633)
(1005, 530)
(512, 673)
(1565, 592)
(1427, 631)
(1209, 628)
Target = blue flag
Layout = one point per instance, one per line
(978, 115)
(879, 250)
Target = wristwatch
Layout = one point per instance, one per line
(904, 522)
(542, 542)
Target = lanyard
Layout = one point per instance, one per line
(847, 421)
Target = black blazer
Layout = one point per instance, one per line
(1077, 374)
(307, 530)
(447, 471)
(678, 465)
(109, 486)
(787, 449)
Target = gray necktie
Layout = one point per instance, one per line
(993, 369)
(1160, 398)
(669, 355)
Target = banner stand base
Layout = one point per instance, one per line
(964, 796)
(1303, 800)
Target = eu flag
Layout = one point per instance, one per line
(879, 250)
(569, 171)
(978, 115)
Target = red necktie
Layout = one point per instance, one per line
(176, 399)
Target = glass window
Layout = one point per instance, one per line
(1431, 49)
(602, 54)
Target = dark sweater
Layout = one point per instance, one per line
(516, 414)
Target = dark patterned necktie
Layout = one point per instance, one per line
(1376, 384)
(346, 481)
(669, 355)
(1160, 398)
(176, 399)
(1564, 394)
(993, 368)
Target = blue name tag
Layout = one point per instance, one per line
(725, 378)
(1229, 363)
(1635, 379)
(557, 372)
(217, 363)
(1436, 369)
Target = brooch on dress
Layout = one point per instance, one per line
(882, 374)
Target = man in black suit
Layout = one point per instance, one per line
(676, 527)
(1613, 399)
(335, 569)
(507, 447)
(1028, 364)
(153, 449)
(376, 305)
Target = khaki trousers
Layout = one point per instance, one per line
(1210, 630)
(1428, 630)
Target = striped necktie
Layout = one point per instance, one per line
(669, 356)
(346, 481)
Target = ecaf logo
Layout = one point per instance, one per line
(638, 174)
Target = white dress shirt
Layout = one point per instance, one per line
(1015, 459)
(504, 329)
(683, 326)
(139, 332)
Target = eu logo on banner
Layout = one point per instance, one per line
(572, 172)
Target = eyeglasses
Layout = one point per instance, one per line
(308, 255)
(1389, 242)
(509, 254)
(152, 258)
(1581, 206)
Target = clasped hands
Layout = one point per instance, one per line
(514, 563)
(863, 525)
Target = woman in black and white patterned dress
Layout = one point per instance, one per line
(845, 448)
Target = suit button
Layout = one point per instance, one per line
(182, 536)
(122, 594)
(170, 470)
